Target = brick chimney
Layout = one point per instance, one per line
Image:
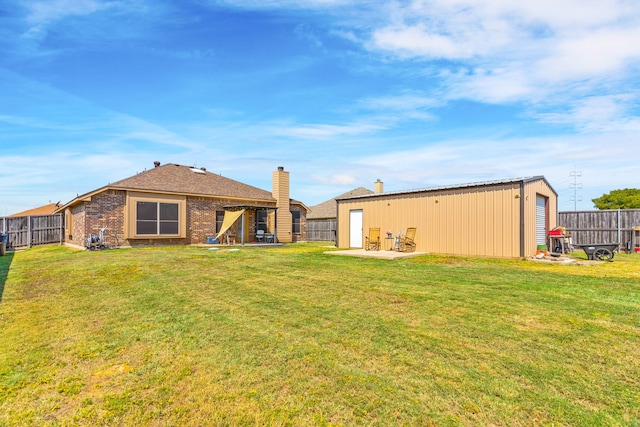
(378, 186)
(280, 192)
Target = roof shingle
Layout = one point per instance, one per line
(174, 178)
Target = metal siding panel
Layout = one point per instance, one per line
(484, 222)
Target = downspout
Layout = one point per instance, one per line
(522, 222)
(619, 232)
(29, 232)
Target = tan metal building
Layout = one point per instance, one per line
(504, 218)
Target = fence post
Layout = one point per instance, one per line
(61, 228)
(29, 231)
(619, 232)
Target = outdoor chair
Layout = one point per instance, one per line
(259, 235)
(372, 242)
(407, 242)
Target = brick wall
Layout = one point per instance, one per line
(108, 208)
(201, 218)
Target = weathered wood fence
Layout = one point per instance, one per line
(321, 230)
(28, 231)
(602, 226)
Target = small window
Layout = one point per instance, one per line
(154, 218)
(295, 222)
(219, 220)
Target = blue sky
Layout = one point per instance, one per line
(416, 93)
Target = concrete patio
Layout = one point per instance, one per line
(361, 253)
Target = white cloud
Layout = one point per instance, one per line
(594, 54)
(323, 131)
(598, 114)
(402, 102)
(503, 51)
(41, 14)
(411, 41)
(279, 4)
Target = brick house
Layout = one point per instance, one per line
(173, 204)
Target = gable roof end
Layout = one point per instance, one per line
(173, 178)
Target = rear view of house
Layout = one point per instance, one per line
(505, 218)
(177, 204)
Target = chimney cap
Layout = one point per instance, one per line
(281, 168)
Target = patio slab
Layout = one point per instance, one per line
(361, 253)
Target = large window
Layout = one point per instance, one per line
(156, 218)
(295, 222)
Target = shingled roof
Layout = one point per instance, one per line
(329, 208)
(41, 210)
(174, 178)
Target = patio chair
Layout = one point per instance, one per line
(259, 235)
(373, 240)
(407, 242)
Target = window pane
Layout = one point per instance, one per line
(146, 227)
(168, 227)
(261, 219)
(169, 211)
(147, 211)
(219, 219)
(295, 222)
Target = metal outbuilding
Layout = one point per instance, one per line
(503, 218)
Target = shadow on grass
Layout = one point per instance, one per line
(5, 263)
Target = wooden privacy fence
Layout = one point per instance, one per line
(321, 230)
(605, 226)
(28, 231)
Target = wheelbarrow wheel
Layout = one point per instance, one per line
(603, 254)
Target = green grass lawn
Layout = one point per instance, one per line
(292, 336)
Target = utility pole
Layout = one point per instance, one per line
(576, 186)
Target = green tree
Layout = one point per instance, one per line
(629, 198)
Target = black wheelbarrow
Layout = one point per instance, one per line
(602, 251)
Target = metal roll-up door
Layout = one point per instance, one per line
(541, 220)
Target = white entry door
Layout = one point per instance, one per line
(355, 228)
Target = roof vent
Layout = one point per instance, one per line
(204, 169)
(194, 170)
(156, 163)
